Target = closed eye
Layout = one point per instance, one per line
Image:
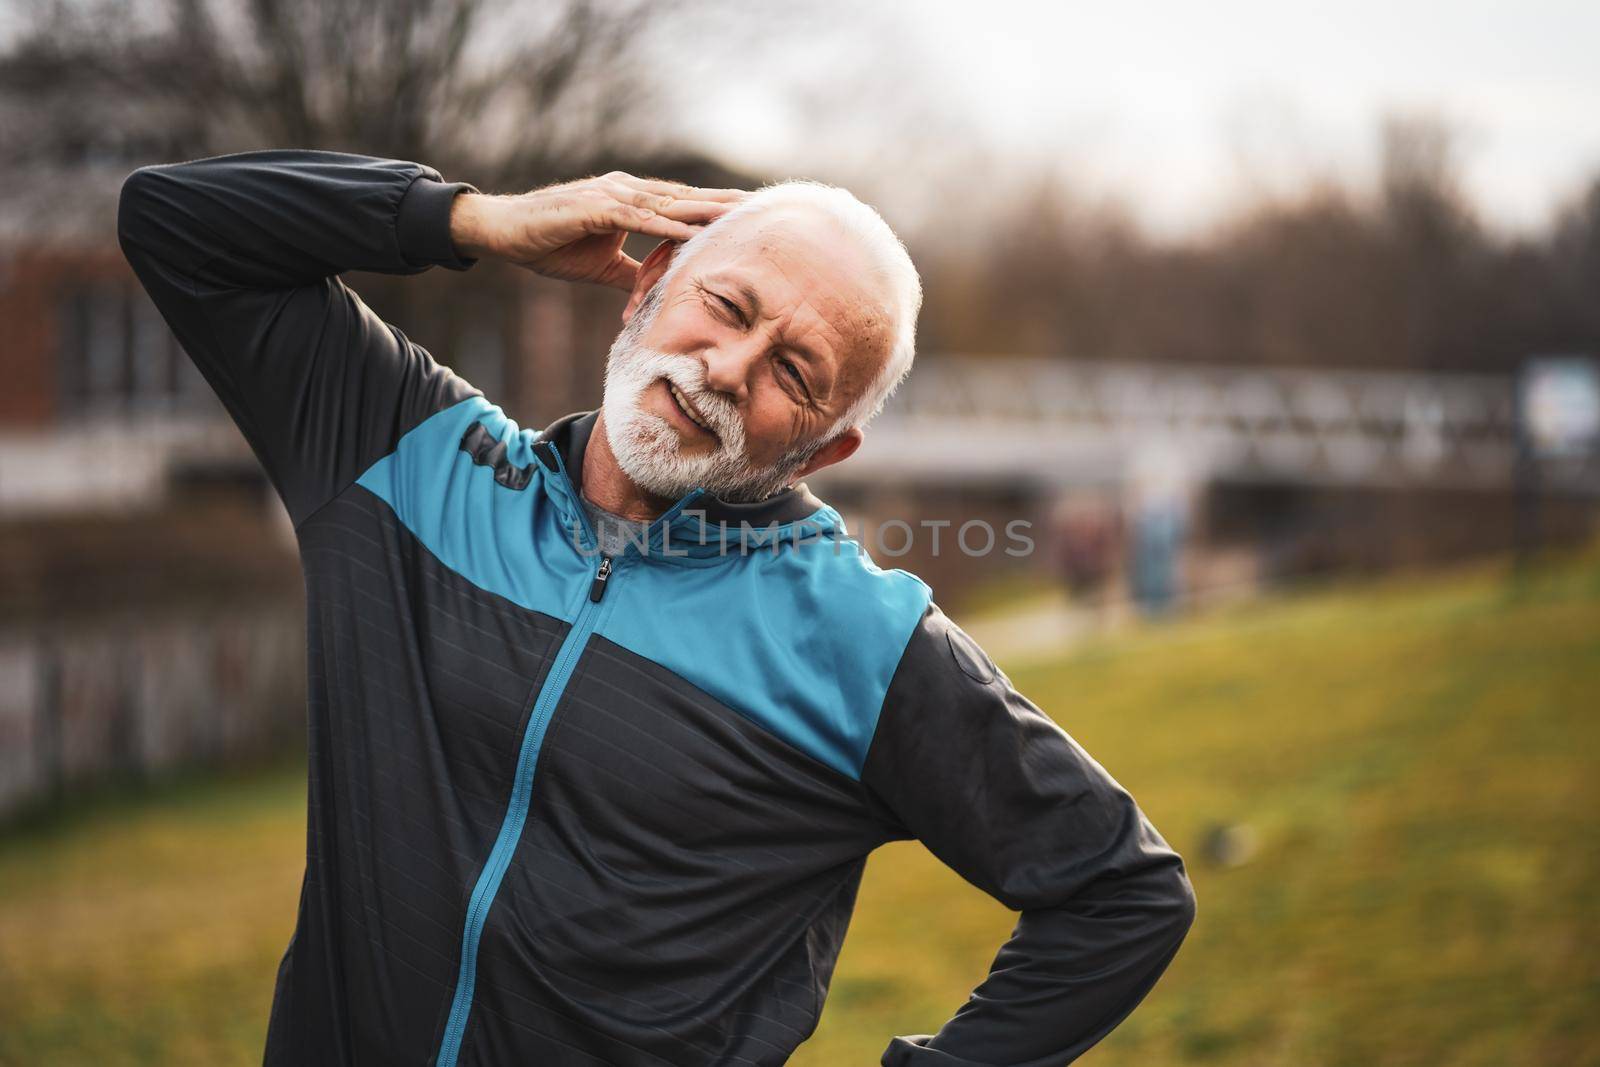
(727, 306)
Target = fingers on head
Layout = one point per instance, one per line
(675, 190)
(684, 209)
(647, 221)
(615, 205)
(699, 211)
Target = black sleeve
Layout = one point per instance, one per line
(241, 252)
(1006, 798)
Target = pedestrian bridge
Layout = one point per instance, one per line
(1057, 423)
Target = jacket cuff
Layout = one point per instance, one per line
(423, 224)
(911, 1050)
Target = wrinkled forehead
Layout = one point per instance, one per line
(808, 272)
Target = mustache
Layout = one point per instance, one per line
(688, 374)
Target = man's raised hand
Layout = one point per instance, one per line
(574, 231)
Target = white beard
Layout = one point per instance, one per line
(649, 450)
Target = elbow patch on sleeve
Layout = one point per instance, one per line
(973, 661)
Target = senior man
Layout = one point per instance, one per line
(605, 719)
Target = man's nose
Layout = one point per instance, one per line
(728, 369)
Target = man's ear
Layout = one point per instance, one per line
(650, 271)
(841, 448)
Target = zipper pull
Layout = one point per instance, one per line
(598, 588)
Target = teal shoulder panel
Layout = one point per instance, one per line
(509, 541)
(802, 640)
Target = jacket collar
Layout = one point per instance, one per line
(699, 517)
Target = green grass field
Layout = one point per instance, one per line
(1416, 759)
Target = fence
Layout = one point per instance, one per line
(135, 696)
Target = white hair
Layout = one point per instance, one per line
(890, 265)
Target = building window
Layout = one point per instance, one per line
(118, 356)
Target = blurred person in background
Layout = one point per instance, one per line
(1157, 530)
(605, 718)
(1086, 532)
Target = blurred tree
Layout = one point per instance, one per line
(1438, 257)
(1400, 275)
(511, 94)
(1575, 266)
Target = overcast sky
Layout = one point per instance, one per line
(1181, 106)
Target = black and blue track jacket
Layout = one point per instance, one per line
(572, 810)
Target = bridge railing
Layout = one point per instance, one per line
(1067, 420)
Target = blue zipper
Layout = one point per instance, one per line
(505, 845)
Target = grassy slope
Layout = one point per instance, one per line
(1417, 760)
